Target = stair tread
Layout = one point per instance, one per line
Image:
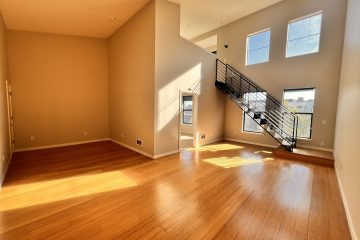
(270, 118)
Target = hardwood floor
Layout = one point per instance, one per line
(221, 191)
(307, 155)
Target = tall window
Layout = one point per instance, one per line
(258, 47)
(301, 102)
(258, 101)
(187, 102)
(304, 35)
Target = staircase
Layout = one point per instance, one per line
(264, 109)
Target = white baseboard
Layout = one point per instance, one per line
(252, 143)
(59, 145)
(166, 154)
(5, 172)
(316, 148)
(212, 141)
(145, 153)
(346, 206)
(133, 149)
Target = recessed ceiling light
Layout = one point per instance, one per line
(113, 18)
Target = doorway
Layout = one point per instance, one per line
(10, 116)
(188, 120)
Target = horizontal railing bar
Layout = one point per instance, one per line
(255, 86)
(250, 95)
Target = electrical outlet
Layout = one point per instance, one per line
(322, 143)
(85, 133)
(32, 138)
(139, 142)
(234, 132)
(122, 135)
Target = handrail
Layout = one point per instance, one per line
(256, 86)
(282, 120)
(277, 128)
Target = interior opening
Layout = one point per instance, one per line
(187, 121)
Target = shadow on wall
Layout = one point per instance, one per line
(196, 80)
(182, 66)
(169, 95)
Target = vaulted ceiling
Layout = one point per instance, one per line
(91, 18)
(100, 18)
(201, 16)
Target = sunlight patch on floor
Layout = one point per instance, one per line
(216, 147)
(27, 195)
(263, 151)
(226, 162)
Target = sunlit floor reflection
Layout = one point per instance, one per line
(232, 162)
(263, 151)
(216, 147)
(186, 140)
(25, 195)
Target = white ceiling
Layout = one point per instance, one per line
(201, 16)
(100, 18)
(91, 18)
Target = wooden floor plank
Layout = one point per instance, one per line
(221, 191)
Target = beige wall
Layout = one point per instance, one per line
(131, 80)
(182, 66)
(347, 151)
(320, 70)
(60, 88)
(4, 127)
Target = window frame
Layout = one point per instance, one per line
(247, 46)
(297, 20)
(246, 131)
(302, 113)
(245, 114)
(187, 110)
(311, 125)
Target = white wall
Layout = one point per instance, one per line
(347, 150)
(59, 88)
(131, 81)
(181, 65)
(4, 125)
(320, 70)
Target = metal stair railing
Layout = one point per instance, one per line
(281, 123)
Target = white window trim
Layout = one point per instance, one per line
(283, 103)
(247, 46)
(299, 19)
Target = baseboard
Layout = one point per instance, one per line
(346, 206)
(177, 151)
(212, 141)
(316, 148)
(132, 148)
(60, 145)
(5, 172)
(252, 143)
(166, 154)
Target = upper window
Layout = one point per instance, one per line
(304, 35)
(301, 102)
(258, 47)
(187, 109)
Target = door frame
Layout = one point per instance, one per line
(10, 116)
(195, 98)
